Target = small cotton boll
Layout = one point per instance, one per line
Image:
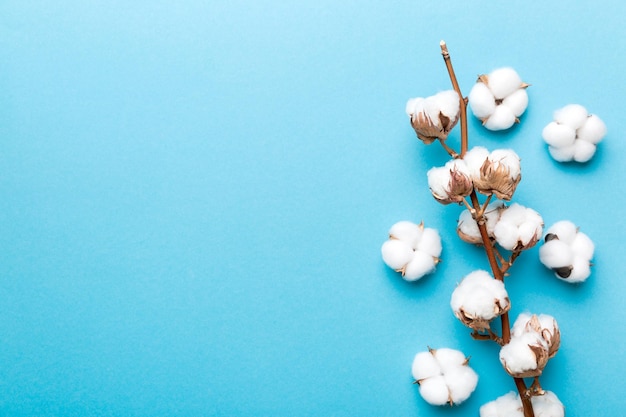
(407, 231)
(593, 130)
(564, 154)
(468, 228)
(556, 254)
(558, 135)
(396, 253)
(430, 243)
(583, 150)
(518, 358)
(547, 405)
(504, 81)
(508, 405)
(572, 115)
(517, 102)
(448, 103)
(421, 264)
(425, 366)
(439, 180)
(501, 119)
(481, 101)
(583, 246)
(435, 391)
(461, 382)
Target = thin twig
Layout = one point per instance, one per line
(462, 102)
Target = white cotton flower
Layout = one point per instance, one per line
(518, 228)
(444, 376)
(499, 174)
(574, 134)
(499, 98)
(467, 228)
(451, 182)
(509, 405)
(435, 116)
(412, 250)
(478, 299)
(567, 251)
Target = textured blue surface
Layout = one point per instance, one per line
(194, 195)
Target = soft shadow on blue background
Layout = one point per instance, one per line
(194, 195)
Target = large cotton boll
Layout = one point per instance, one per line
(556, 254)
(435, 391)
(572, 115)
(420, 265)
(583, 150)
(517, 102)
(558, 135)
(396, 253)
(504, 81)
(593, 130)
(501, 119)
(481, 101)
(564, 154)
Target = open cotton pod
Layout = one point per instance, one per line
(574, 134)
(435, 116)
(509, 405)
(412, 249)
(444, 376)
(499, 98)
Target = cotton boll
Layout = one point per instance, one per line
(449, 358)
(461, 382)
(420, 265)
(481, 101)
(435, 391)
(439, 181)
(564, 154)
(547, 405)
(583, 151)
(474, 160)
(528, 231)
(501, 119)
(425, 366)
(593, 130)
(519, 356)
(517, 102)
(556, 254)
(519, 327)
(407, 232)
(558, 135)
(506, 234)
(430, 243)
(504, 81)
(468, 228)
(478, 299)
(507, 158)
(572, 115)
(414, 105)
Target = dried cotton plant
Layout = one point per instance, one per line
(485, 182)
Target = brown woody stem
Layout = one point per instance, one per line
(498, 272)
(463, 104)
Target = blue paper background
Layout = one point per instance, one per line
(194, 195)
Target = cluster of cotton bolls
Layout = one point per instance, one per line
(509, 405)
(534, 340)
(567, 251)
(444, 376)
(497, 173)
(435, 116)
(514, 227)
(499, 98)
(574, 134)
(412, 249)
(479, 299)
